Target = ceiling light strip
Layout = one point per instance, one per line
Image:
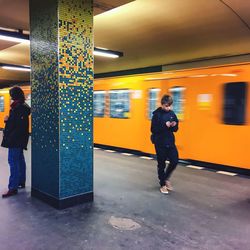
(16, 68)
(107, 53)
(19, 37)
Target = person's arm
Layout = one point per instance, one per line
(19, 124)
(174, 124)
(157, 125)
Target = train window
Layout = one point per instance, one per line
(119, 103)
(1, 103)
(178, 104)
(99, 103)
(234, 103)
(153, 98)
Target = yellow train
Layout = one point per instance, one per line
(211, 103)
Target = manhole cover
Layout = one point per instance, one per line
(123, 223)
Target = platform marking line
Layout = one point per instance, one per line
(226, 173)
(194, 167)
(146, 157)
(188, 166)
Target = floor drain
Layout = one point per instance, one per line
(123, 223)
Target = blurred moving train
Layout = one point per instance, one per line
(212, 104)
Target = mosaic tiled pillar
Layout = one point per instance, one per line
(62, 93)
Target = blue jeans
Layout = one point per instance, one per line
(17, 167)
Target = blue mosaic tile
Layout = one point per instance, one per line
(62, 97)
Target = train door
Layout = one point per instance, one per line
(202, 101)
(197, 104)
(152, 93)
(178, 93)
(177, 89)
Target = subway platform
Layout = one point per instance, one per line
(207, 210)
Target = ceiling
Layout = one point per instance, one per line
(148, 32)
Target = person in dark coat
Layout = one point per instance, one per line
(164, 123)
(15, 138)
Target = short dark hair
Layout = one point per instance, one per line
(17, 93)
(167, 99)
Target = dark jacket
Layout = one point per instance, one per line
(16, 131)
(161, 134)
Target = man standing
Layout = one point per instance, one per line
(15, 138)
(164, 123)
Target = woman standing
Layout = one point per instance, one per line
(15, 138)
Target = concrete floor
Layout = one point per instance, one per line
(206, 211)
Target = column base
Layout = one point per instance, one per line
(63, 203)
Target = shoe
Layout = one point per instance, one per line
(164, 190)
(169, 186)
(21, 185)
(10, 193)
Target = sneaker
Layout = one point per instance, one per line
(10, 192)
(21, 185)
(164, 190)
(169, 186)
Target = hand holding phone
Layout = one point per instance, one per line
(173, 124)
(168, 124)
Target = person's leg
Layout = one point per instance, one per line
(161, 160)
(173, 157)
(13, 160)
(22, 170)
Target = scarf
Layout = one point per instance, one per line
(14, 104)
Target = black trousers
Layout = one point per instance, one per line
(164, 153)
